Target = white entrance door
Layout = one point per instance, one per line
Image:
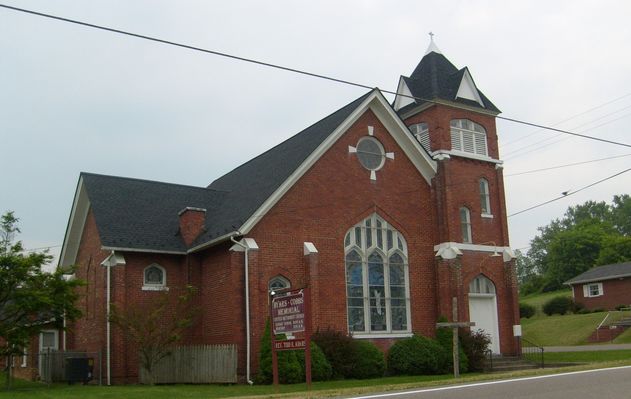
(48, 342)
(483, 311)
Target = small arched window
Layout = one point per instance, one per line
(485, 197)
(154, 278)
(465, 224)
(481, 285)
(421, 132)
(278, 283)
(468, 136)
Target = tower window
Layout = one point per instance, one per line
(279, 283)
(468, 136)
(421, 132)
(465, 224)
(485, 197)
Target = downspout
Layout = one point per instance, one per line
(108, 338)
(112, 260)
(247, 310)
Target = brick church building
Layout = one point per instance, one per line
(386, 211)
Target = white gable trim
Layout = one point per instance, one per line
(393, 124)
(76, 223)
(404, 95)
(468, 90)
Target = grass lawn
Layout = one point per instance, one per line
(588, 357)
(624, 338)
(571, 329)
(33, 390)
(537, 300)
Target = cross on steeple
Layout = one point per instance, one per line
(431, 36)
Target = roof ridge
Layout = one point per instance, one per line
(152, 181)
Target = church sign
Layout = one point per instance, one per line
(288, 313)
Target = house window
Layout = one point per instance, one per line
(155, 278)
(24, 358)
(421, 132)
(593, 289)
(278, 283)
(465, 224)
(485, 198)
(468, 136)
(377, 282)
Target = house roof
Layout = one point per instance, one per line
(600, 273)
(143, 214)
(436, 78)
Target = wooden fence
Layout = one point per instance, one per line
(200, 364)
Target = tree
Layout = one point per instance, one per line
(588, 235)
(30, 298)
(156, 326)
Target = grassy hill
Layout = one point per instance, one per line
(571, 329)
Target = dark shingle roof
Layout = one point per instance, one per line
(435, 77)
(600, 273)
(141, 214)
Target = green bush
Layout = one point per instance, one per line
(444, 336)
(526, 311)
(290, 371)
(370, 361)
(558, 305)
(340, 350)
(321, 370)
(416, 355)
(476, 345)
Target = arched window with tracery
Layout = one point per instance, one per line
(377, 282)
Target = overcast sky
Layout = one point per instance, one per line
(76, 99)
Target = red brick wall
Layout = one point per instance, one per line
(615, 292)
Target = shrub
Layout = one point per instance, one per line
(475, 344)
(577, 307)
(370, 361)
(416, 355)
(340, 350)
(444, 336)
(620, 307)
(558, 305)
(526, 311)
(290, 371)
(320, 368)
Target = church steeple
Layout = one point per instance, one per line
(435, 78)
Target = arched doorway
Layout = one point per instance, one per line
(483, 309)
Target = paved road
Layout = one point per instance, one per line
(583, 348)
(591, 384)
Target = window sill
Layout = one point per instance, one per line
(487, 215)
(382, 335)
(154, 288)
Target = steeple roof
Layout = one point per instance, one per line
(436, 78)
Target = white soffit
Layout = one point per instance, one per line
(74, 229)
(404, 95)
(468, 90)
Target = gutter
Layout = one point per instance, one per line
(246, 248)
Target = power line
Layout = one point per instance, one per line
(568, 193)
(284, 68)
(568, 118)
(566, 165)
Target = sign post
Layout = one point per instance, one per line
(290, 313)
(454, 328)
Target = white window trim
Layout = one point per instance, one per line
(487, 215)
(485, 197)
(283, 279)
(386, 254)
(24, 358)
(154, 287)
(467, 222)
(587, 292)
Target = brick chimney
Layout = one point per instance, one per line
(192, 221)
